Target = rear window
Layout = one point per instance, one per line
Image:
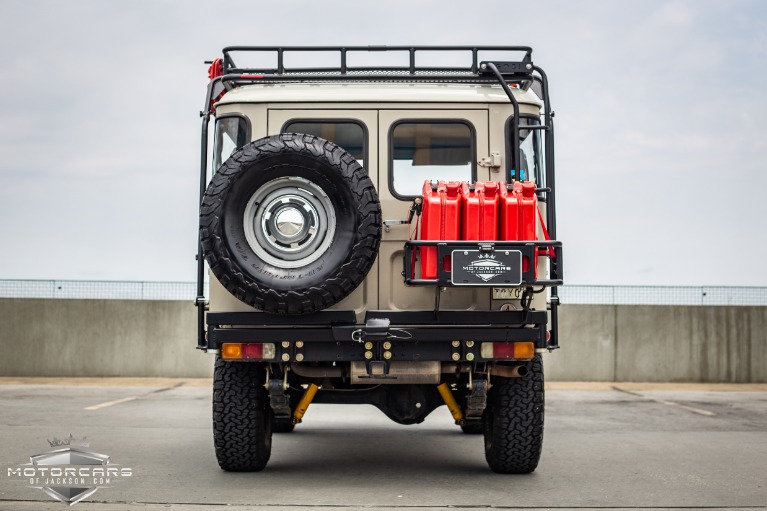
(348, 134)
(430, 150)
(532, 152)
(231, 134)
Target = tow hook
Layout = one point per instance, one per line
(375, 329)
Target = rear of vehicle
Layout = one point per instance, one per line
(379, 235)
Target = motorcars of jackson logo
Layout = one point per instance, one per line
(69, 472)
(486, 267)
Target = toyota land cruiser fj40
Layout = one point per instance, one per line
(379, 234)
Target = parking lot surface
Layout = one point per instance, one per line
(606, 446)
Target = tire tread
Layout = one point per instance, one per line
(514, 422)
(242, 417)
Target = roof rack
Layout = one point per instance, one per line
(408, 64)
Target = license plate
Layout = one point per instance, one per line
(481, 268)
(508, 293)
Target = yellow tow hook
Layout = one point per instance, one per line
(452, 405)
(306, 400)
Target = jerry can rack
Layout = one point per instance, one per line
(495, 264)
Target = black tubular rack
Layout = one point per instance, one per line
(408, 69)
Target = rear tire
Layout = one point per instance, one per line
(242, 416)
(514, 422)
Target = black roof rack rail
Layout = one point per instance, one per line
(518, 68)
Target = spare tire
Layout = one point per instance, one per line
(290, 224)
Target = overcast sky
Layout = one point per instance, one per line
(661, 134)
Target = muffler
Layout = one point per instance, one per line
(399, 372)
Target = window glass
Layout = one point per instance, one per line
(532, 153)
(435, 151)
(346, 134)
(231, 134)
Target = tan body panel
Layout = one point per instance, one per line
(384, 287)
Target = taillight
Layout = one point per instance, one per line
(515, 350)
(247, 351)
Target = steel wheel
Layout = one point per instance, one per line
(289, 222)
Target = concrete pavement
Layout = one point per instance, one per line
(624, 447)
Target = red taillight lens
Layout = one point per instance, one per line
(252, 351)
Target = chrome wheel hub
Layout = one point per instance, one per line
(289, 222)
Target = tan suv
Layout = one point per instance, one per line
(379, 228)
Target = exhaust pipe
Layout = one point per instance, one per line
(509, 371)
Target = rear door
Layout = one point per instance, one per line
(419, 145)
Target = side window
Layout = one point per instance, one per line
(231, 134)
(531, 167)
(348, 134)
(429, 150)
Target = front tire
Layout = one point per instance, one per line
(514, 422)
(242, 417)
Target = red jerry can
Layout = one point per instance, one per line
(480, 208)
(519, 214)
(441, 219)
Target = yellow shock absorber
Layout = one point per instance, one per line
(452, 405)
(306, 400)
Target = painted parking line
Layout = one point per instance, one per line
(107, 404)
(666, 402)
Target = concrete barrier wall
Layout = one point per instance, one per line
(653, 343)
(41, 337)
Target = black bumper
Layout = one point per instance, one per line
(407, 335)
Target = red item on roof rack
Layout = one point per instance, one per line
(216, 68)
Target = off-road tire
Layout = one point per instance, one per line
(241, 237)
(283, 426)
(242, 417)
(514, 422)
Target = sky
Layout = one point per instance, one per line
(661, 130)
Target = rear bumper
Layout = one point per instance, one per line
(335, 336)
